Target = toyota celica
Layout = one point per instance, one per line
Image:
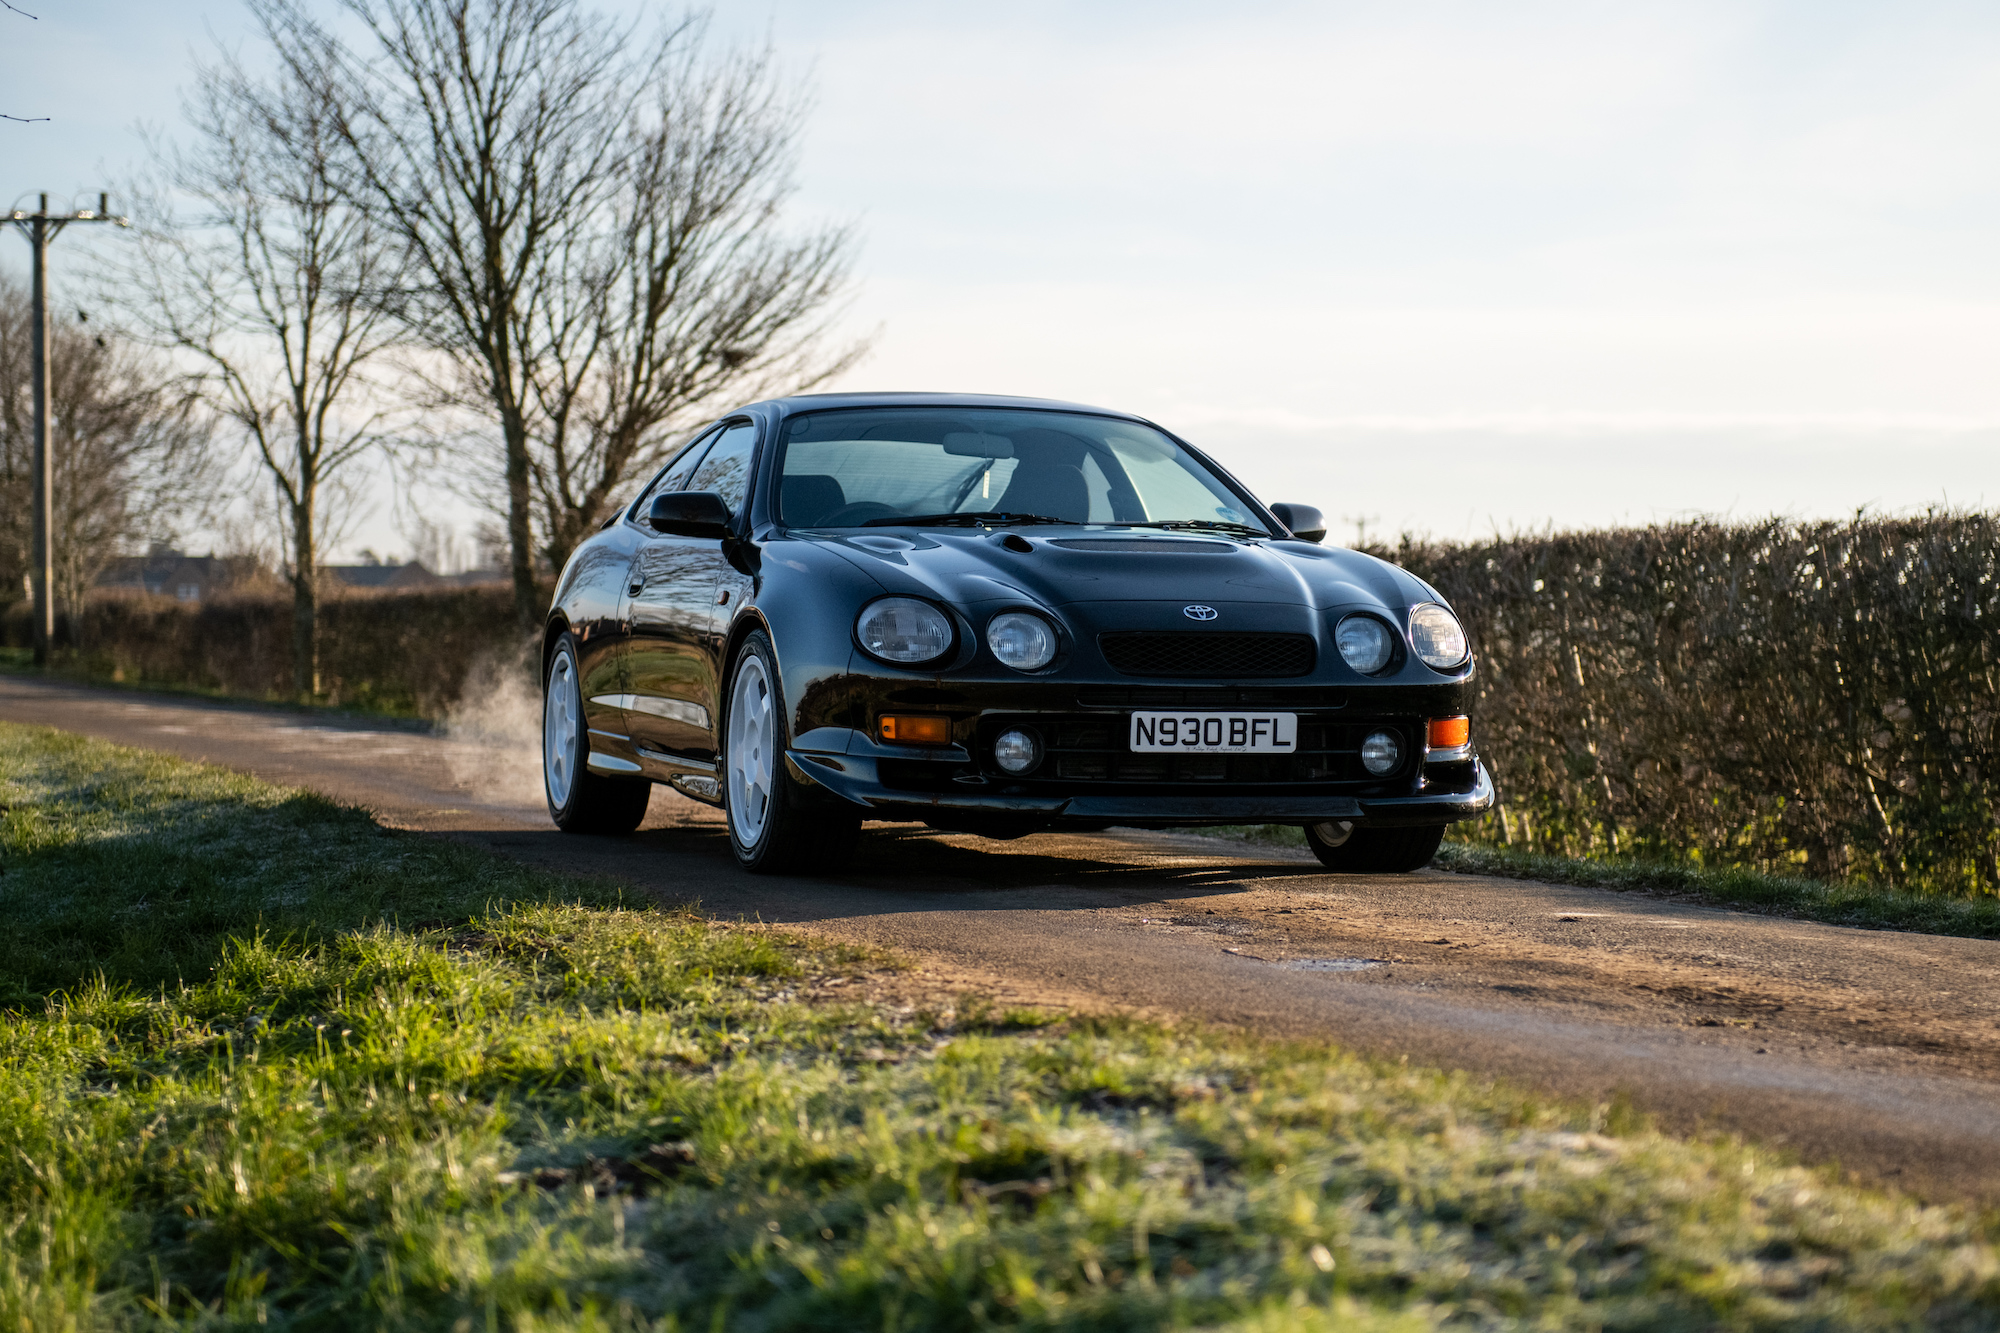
(996, 616)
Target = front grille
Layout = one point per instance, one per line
(1093, 748)
(1142, 545)
(1290, 698)
(1141, 653)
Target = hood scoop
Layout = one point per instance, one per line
(1141, 545)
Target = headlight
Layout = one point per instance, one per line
(1022, 641)
(1437, 636)
(1365, 643)
(903, 630)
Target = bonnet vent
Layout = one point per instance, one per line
(1142, 545)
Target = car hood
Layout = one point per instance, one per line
(1088, 572)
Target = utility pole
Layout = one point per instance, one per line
(41, 227)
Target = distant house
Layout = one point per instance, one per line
(168, 573)
(379, 576)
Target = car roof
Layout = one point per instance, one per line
(808, 402)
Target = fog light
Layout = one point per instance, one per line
(1017, 751)
(1380, 753)
(916, 729)
(1448, 733)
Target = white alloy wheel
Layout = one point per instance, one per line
(753, 750)
(561, 718)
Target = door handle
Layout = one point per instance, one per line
(635, 587)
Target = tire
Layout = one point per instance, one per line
(580, 801)
(1376, 851)
(775, 826)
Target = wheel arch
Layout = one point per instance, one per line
(740, 630)
(552, 632)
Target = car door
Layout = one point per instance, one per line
(595, 602)
(677, 623)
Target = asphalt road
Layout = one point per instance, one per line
(1876, 1050)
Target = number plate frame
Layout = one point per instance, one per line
(1208, 732)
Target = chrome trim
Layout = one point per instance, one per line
(605, 763)
(677, 710)
(1456, 754)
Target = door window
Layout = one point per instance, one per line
(726, 468)
(676, 475)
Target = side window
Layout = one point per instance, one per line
(676, 475)
(726, 468)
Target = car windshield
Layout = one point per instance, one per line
(882, 466)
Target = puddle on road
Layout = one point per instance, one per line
(1333, 964)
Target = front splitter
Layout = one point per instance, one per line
(851, 778)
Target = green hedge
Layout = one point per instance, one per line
(406, 653)
(1812, 696)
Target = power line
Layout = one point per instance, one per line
(24, 120)
(41, 227)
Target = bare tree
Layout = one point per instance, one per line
(595, 223)
(274, 284)
(131, 448)
(694, 294)
(489, 133)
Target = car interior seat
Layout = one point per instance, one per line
(1056, 490)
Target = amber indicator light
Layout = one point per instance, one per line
(1448, 733)
(916, 729)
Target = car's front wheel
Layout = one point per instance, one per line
(1373, 851)
(774, 825)
(580, 801)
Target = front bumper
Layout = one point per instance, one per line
(1464, 793)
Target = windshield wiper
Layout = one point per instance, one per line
(972, 518)
(1201, 524)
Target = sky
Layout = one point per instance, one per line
(1445, 268)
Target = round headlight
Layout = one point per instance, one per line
(904, 630)
(1437, 636)
(1017, 751)
(1022, 641)
(1380, 753)
(1365, 643)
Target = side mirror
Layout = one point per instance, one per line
(690, 514)
(1306, 523)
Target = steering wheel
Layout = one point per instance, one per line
(854, 515)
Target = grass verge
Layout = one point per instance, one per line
(1870, 906)
(1867, 905)
(270, 1064)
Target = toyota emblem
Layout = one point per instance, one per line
(1200, 612)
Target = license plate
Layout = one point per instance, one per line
(1215, 733)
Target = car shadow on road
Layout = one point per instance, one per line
(909, 867)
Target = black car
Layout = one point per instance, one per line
(995, 615)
